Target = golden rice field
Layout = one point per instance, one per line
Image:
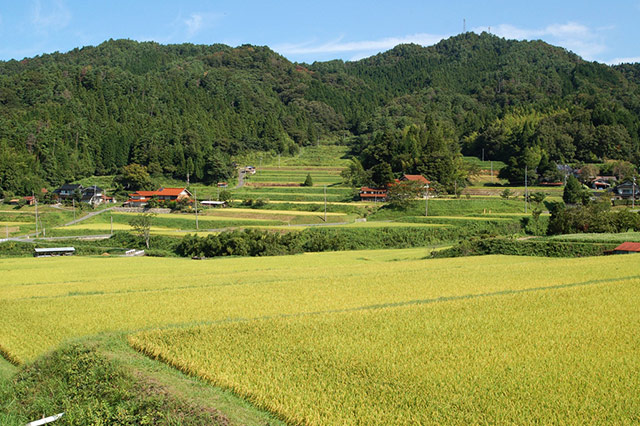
(362, 337)
(567, 355)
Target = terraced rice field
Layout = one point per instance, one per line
(170, 224)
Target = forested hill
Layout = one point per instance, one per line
(182, 109)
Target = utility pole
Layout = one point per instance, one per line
(525, 189)
(278, 160)
(111, 223)
(6, 228)
(426, 201)
(491, 171)
(36, 203)
(633, 194)
(325, 203)
(195, 203)
(73, 200)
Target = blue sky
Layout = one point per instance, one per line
(306, 31)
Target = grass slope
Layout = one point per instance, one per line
(101, 380)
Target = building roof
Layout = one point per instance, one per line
(628, 247)
(144, 193)
(367, 189)
(54, 249)
(70, 187)
(416, 178)
(93, 189)
(171, 191)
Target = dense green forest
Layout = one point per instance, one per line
(187, 109)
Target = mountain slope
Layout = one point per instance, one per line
(186, 108)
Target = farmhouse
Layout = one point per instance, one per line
(626, 189)
(375, 194)
(415, 178)
(141, 198)
(626, 248)
(67, 190)
(380, 194)
(95, 195)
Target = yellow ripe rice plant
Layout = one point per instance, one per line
(564, 355)
(46, 301)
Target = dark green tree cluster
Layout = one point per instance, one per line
(595, 217)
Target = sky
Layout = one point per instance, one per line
(308, 31)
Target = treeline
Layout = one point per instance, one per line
(264, 243)
(184, 110)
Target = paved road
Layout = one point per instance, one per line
(88, 216)
(241, 173)
(70, 237)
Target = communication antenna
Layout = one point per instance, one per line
(489, 30)
(464, 25)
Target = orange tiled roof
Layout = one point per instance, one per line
(416, 178)
(628, 247)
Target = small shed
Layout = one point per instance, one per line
(54, 251)
(626, 248)
(213, 203)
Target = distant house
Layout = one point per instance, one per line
(29, 200)
(603, 182)
(92, 195)
(222, 184)
(626, 248)
(415, 178)
(67, 190)
(373, 194)
(141, 198)
(380, 194)
(626, 190)
(250, 169)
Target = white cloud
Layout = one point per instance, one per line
(54, 15)
(193, 23)
(585, 41)
(199, 21)
(364, 47)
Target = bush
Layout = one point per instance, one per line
(546, 248)
(264, 243)
(308, 181)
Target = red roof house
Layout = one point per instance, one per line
(415, 178)
(373, 194)
(141, 198)
(627, 247)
